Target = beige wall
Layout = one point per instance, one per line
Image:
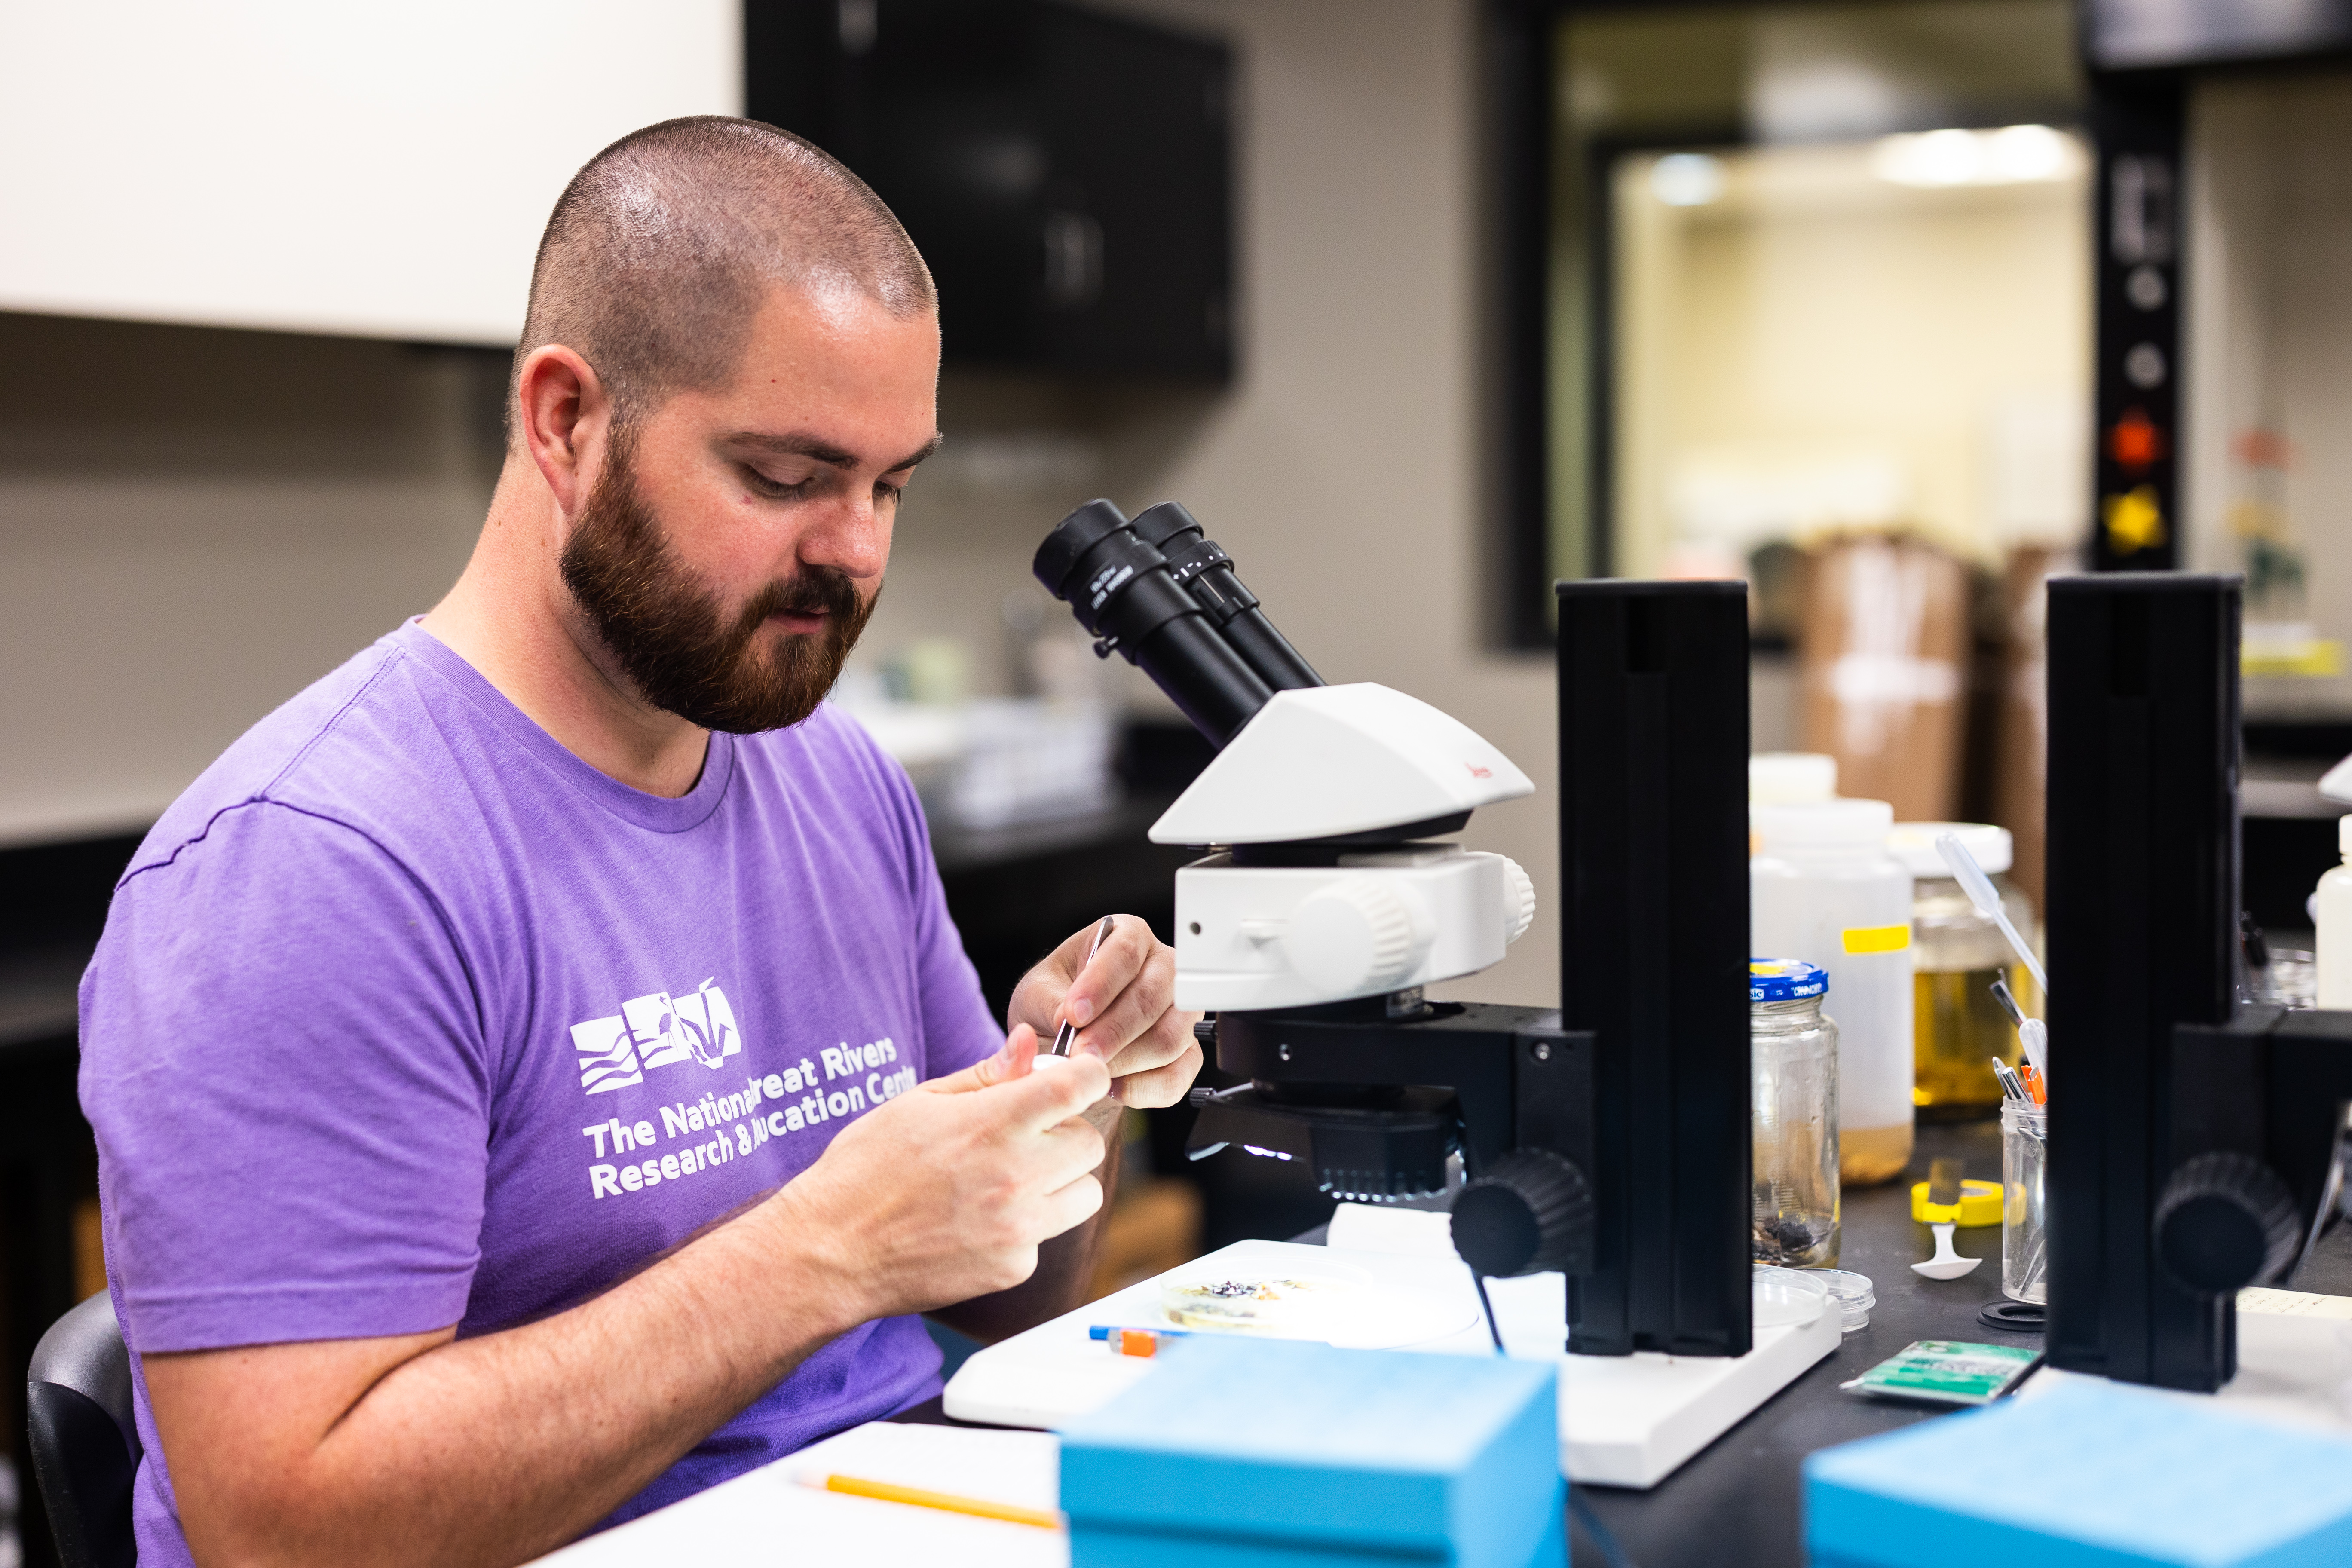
(2268, 336)
(194, 525)
(1817, 326)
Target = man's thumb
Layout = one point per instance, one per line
(1012, 1060)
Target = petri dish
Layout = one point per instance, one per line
(1785, 1296)
(1326, 1301)
(1282, 1303)
(1853, 1294)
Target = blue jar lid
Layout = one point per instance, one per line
(1784, 980)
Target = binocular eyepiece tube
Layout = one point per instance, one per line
(1125, 592)
(1203, 569)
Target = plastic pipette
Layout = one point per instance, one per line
(1979, 887)
(2034, 1035)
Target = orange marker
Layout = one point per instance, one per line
(2034, 1084)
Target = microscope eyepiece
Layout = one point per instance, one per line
(1120, 589)
(1203, 570)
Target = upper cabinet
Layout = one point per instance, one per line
(1068, 174)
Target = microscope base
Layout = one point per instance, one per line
(1632, 1420)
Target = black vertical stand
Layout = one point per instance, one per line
(2143, 900)
(1654, 960)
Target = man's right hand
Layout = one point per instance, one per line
(945, 1193)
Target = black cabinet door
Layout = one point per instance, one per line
(1067, 174)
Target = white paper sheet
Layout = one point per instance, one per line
(769, 1516)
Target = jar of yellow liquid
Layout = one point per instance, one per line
(1958, 1028)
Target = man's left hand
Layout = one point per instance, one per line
(1123, 1002)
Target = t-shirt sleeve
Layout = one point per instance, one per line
(283, 1060)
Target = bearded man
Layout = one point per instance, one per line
(534, 1072)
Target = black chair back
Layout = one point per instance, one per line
(85, 1445)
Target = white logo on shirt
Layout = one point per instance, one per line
(656, 1031)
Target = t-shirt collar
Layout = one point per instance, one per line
(660, 814)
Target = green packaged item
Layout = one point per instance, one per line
(1948, 1372)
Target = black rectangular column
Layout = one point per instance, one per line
(1653, 955)
(2143, 901)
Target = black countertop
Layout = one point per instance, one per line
(1740, 1499)
(1738, 1503)
(1125, 821)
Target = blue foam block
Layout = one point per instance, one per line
(1099, 1546)
(2089, 1474)
(1303, 1454)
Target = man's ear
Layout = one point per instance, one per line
(564, 415)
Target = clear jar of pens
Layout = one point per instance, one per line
(2024, 1237)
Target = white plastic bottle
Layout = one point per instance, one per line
(2335, 919)
(1790, 778)
(1823, 889)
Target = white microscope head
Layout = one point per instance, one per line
(1333, 762)
(1319, 797)
(1319, 921)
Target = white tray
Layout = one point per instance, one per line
(1625, 1421)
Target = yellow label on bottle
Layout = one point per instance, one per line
(1876, 939)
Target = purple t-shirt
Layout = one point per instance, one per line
(406, 1016)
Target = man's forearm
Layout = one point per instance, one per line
(493, 1450)
(1066, 1265)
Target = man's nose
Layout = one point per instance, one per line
(850, 537)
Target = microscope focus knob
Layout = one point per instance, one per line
(2225, 1221)
(1519, 899)
(1531, 1211)
(1355, 935)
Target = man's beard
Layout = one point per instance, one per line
(668, 633)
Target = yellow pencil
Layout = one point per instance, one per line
(888, 1491)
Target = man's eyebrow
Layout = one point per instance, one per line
(797, 445)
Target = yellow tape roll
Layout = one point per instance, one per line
(1979, 1205)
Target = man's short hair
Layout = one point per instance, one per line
(662, 248)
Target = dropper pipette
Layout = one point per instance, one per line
(1979, 888)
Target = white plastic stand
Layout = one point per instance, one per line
(1631, 1421)
(2294, 1365)
(1625, 1421)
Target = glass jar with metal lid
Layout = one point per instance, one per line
(1794, 1106)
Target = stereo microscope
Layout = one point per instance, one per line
(1607, 1139)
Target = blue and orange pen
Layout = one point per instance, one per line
(1134, 1341)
